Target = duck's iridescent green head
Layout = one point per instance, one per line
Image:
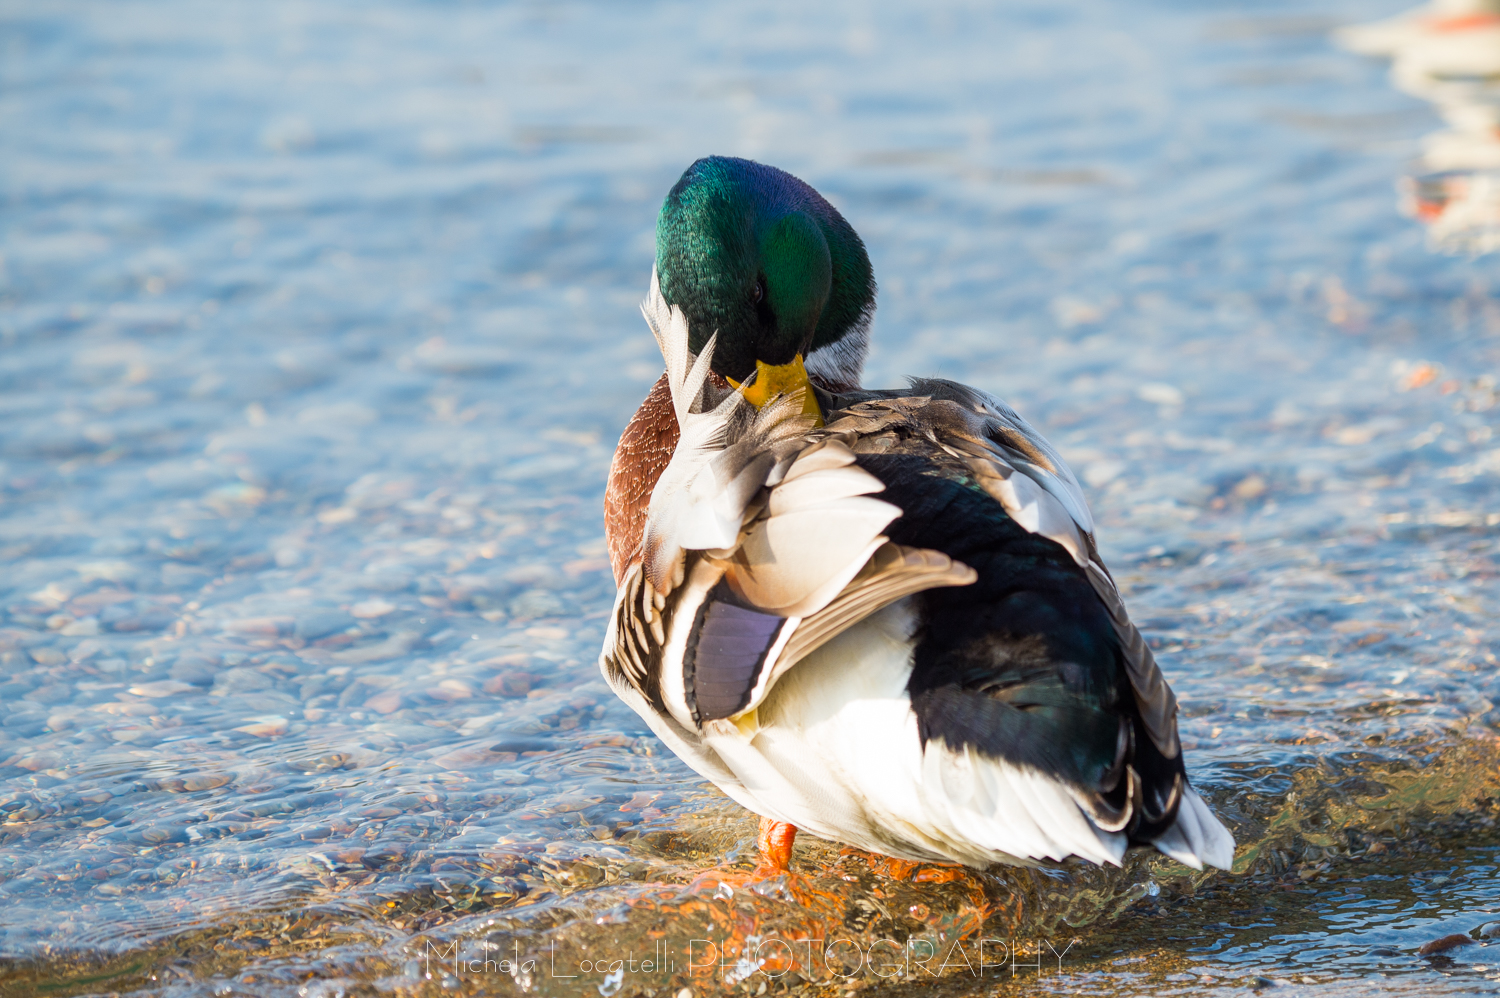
(760, 257)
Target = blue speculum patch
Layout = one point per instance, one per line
(726, 653)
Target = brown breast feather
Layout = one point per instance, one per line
(642, 455)
(645, 448)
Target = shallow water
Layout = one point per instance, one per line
(318, 324)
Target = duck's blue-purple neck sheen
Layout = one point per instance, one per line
(757, 255)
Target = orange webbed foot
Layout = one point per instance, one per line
(932, 872)
(774, 839)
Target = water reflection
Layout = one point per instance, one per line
(1448, 52)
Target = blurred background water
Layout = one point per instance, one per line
(317, 328)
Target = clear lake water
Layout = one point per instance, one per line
(318, 324)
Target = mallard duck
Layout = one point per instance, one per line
(879, 616)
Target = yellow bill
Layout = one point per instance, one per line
(772, 380)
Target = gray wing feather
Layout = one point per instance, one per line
(893, 572)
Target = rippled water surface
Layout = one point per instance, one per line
(318, 326)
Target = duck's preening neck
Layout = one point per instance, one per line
(837, 367)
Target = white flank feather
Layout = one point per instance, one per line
(836, 751)
(1197, 837)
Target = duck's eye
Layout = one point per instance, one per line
(757, 293)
